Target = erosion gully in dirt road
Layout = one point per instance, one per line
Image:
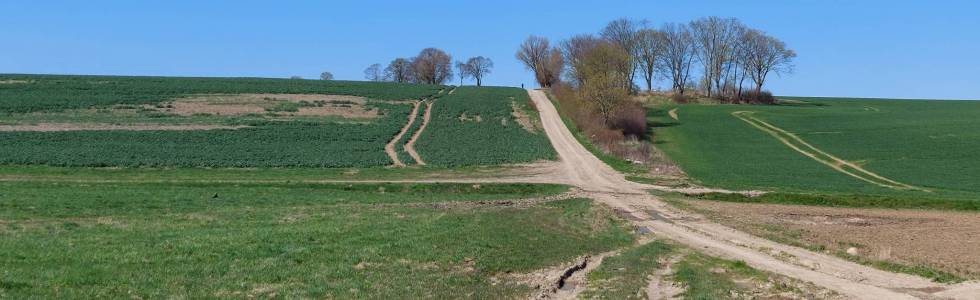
(582, 169)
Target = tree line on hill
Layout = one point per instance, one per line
(727, 52)
(430, 66)
(594, 76)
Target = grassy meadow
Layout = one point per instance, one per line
(926, 144)
(206, 240)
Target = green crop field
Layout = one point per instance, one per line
(214, 240)
(55, 92)
(266, 138)
(475, 126)
(913, 148)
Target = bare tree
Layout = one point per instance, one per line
(649, 50)
(461, 70)
(678, 54)
(544, 61)
(399, 70)
(432, 66)
(765, 55)
(574, 50)
(623, 33)
(373, 73)
(712, 38)
(477, 68)
(323, 76)
(734, 59)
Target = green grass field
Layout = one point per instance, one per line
(153, 240)
(930, 145)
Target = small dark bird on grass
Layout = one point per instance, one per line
(215, 196)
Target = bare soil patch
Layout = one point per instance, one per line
(54, 127)
(673, 114)
(522, 118)
(244, 104)
(941, 240)
(14, 81)
(464, 118)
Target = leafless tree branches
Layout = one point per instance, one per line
(399, 70)
(432, 66)
(538, 56)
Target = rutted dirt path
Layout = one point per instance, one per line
(808, 150)
(662, 288)
(410, 145)
(602, 183)
(390, 147)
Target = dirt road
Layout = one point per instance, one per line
(580, 168)
(410, 145)
(390, 147)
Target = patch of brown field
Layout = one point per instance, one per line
(244, 104)
(53, 127)
(464, 118)
(14, 81)
(946, 241)
(521, 117)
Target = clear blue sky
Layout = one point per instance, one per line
(906, 49)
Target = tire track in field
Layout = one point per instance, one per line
(410, 145)
(799, 145)
(390, 147)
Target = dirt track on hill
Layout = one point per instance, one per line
(390, 147)
(410, 145)
(580, 168)
(799, 145)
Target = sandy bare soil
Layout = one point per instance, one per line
(522, 118)
(52, 127)
(580, 168)
(390, 147)
(410, 145)
(14, 81)
(243, 104)
(943, 240)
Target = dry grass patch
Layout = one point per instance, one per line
(55, 127)
(277, 104)
(15, 81)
